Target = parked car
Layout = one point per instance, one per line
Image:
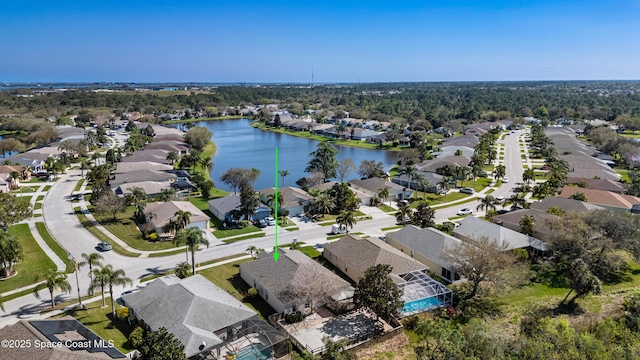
(505, 179)
(465, 211)
(467, 190)
(261, 223)
(499, 200)
(544, 167)
(270, 221)
(338, 229)
(104, 246)
(483, 174)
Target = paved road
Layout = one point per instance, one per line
(66, 228)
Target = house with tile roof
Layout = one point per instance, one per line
(293, 199)
(429, 246)
(295, 282)
(474, 229)
(602, 198)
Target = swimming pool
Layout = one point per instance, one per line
(417, 306)
(255, 351)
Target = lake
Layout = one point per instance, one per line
(240, 145)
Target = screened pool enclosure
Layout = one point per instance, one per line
(421, 293)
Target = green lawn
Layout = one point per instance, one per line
(233, 232)
(98, 319)
(338, 236)
(26, 189)
(34, 264)
(101, 236)
(435, 199)
(392, 228)
(79, 185)
(40, 198)
(127, 230)
(481, 183)
(385, 208)
(37, 206)
(54, 245)
(46, 188)
(167, 253)
(311, 252)
(328, 217)
(294, 228)
(631, 134)
(227, 277)
(624, 174)
(240, 238)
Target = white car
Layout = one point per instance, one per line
(465, 211)
(505, 179)
(499, 200)
(270, 221)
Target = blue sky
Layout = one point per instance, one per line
(343, 41)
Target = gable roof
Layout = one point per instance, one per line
(329, 184)
(599, 184)
(541, 220)
(192, 309)
(474, 228)
(568, 205)
(429, 242)
(277, 277)
(225, 204)
(360, 254)
(7, 169)
(165, 211)
(141, 175)
(601, 197)
(291, 196)
(434, 164)
(149, 187)
(154, 155)
(123, 167)
(375, 184)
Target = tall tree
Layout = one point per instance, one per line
(92, 259)
(486, 203)
(53, 280)
(110, 203)
(411, 172)
(377, 292)
(345, 167)
(499, 172)
(12, 210)
(371, 168)
(384, 194)
(284, 174)
(10, 252)
(323, 159)
(347, 218)
(161, 345)
(100, 280)
(115, 278)
(424, 216)
(192, 238)
(249, 200)
(527, 224)
(404, 212)
(198, 137)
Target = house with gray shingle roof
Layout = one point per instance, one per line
(372, 186)
(197, 312)
(141, 175)
(568, 205)
(284, 284)
(222, 207)
(293, 199)
(158, 214)
(428, 246)
(474, 229)
(353, 255)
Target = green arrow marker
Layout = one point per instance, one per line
(275, 249)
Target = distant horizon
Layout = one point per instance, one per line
(320, 42)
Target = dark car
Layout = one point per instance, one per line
(261, 223)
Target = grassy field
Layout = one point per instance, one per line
(624, 174)
(98, 319)
(227, 277)
(53, 244)
(40, 198)
(127, 230)
(26, 189)
(34, 264)
(392, 228)
(311, 252)
(79, 185)
(385, 208)
(37, 206)
(101, 236)
(434, 199)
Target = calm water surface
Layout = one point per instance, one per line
(240, 145)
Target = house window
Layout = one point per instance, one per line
(446, 274)
(346, 268)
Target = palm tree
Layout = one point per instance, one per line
(53, 280)
(95, 157)
(273, 198)
(92, 260)
(182, 270)
(10, 252)
(166, 194)
(542, 190)
(15, 179)
(118, 278)
(283, 174)
(100, 280)
(384, 194)
(516, 200)
(192, 237)
(499, 172)
(347, 218)
(487, 203)
(206, 164)
(527, 224)
(445, 185)
(528, 175)
(183, 218)
(173, 156)
(254, 251)
(323, 202)
(410, 171)
(404, 211)
(84, 165)
(464, 171)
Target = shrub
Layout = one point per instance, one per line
(152, 237)
(252, 293)
(293, 317)
(521, 254)
(122, 313)
(136, 336)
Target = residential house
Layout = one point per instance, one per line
(372, 187)
(222, 208)
(153, 155)
(35, 161)
(364, 198)
(5, 183)
(158, 214)
(353, 255)
(66, 330)
(125, 167)
(474, 229)
(451, 150)
(160, 130)
(150, 188)
(205, 318)
(431, 179)
(434, 164)
(598, 184)
(541, 219)
(566, 205)
(6, 179)
(444, 131)
(169, 145)
(141, 175)
(603, 198)
(364, 134)
(286, 284)
(429, 246)
(293, 199)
